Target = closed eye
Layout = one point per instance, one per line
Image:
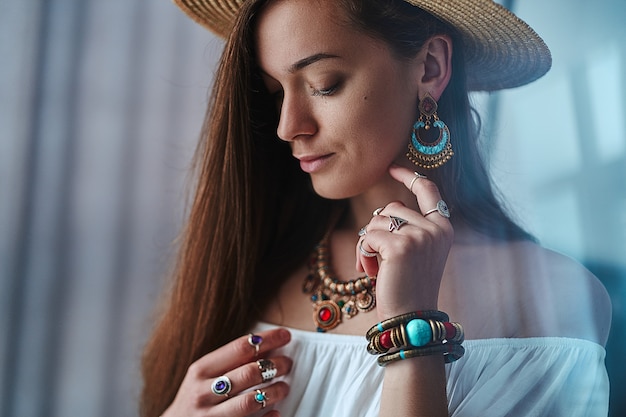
(324, 92)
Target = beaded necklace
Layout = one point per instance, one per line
(333, 299)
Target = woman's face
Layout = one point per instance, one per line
(346, 104)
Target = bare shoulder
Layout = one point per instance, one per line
(520, 289)
(576, 301)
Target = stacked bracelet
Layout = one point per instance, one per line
(403, 318)
(450, 351)
(415, 334)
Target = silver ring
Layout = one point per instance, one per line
(363, 231)
(396, 223)
(255, 341)
(261, 397)
(366, 253)
(417, 176)
(442, 209)
(267, 368)
(221, 386)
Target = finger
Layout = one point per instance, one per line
(251, 374)
(239, 352)
(402, 214)
(425, 191)
(369, 264)
(252, 401)
(246, 377)
(364, 261)
(396, 221)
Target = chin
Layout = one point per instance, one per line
(333, 190)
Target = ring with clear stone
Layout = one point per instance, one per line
(442, 209)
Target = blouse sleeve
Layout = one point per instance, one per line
(529, 377)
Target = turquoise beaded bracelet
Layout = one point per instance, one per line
(404, 318)
(416, 333)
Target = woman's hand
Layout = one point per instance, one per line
(237, 361)
(410, 258)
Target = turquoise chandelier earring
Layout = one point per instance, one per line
(428, 150)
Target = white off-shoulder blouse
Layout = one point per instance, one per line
(333, 375)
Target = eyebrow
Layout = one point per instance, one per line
(310, 60)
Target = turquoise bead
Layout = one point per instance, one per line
(418, 332)
(260, 397)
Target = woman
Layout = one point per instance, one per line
(370, 97)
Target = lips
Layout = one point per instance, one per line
(313, 163)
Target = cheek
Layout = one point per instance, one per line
(387, 122)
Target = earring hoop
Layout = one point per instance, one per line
(429, 154)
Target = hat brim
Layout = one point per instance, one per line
(501, 50)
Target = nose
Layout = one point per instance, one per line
(296, 118)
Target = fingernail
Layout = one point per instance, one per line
(284, 335)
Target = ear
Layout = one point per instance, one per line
(435, 66)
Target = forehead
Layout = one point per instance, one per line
(288, 30)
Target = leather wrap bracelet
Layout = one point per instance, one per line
(451, 352)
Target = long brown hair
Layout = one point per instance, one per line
(254, 216)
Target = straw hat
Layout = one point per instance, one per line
(501, 50)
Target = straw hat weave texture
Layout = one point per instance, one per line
(501, 50)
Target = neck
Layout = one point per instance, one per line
(386, 191)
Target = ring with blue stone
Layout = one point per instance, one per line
(260, 397)
(255, 341)
(221, 386)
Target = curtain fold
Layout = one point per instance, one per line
(100, 107)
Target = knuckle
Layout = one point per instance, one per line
(394, 205)
(402, 245)
(247, 405)
(270, 340)
(442, 231)
(430, 186)
(197, 397)
(194, 371)
(241, 348)
(376, 223)
(250, 374)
